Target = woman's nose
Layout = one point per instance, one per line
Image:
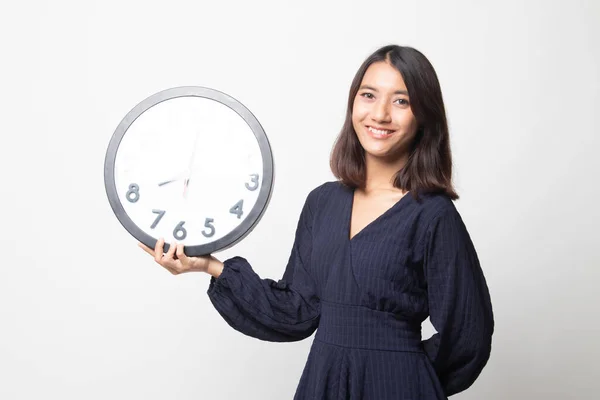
(380, 112)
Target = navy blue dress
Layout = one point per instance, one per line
(366, 298)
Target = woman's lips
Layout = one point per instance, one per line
(379, 133)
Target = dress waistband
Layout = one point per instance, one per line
(362, 327)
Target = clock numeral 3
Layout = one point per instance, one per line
(133, 194)
(157, 220)
(254, 183)
(210, 226)
(179, 232)
(237, 209)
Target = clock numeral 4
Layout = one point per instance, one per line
(133, 194)
(237, 209)
(253, 183)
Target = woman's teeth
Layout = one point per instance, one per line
(379, 132)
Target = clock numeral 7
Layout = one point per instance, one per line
(254, 183)
(178, 233)
(157, 220)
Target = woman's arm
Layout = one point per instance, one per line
(284, 310)
(459, 304)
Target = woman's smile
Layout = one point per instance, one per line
(379, 133)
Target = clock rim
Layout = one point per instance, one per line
(268, 176)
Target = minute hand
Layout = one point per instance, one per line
(189, 171)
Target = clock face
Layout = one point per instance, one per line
(190, 165)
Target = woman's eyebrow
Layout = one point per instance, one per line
(375, 90)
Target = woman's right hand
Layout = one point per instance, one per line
(182, 263)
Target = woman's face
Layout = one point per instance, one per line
(381, 113)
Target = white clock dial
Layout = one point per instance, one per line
(190, 169)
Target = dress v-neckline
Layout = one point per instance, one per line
(348, 225)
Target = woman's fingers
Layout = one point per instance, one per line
(168, 261)
(181, 255)
(158, 250)
(171, 252)
(183, 259)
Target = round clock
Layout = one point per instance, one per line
(192, 165)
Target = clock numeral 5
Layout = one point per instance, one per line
(133, 194)
(210, 226)
(254, 183)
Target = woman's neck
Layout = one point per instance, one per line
(381, 173)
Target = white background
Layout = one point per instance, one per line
(86, 314)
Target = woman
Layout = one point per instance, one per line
(375, 253)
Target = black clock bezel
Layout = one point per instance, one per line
(265, 191)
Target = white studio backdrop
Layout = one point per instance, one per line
(86, 314)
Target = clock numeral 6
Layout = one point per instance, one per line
(210, 226)
(254, 183)
(133, 194)
(179, 232)
(237, 209)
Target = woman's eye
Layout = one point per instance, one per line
(367, 95)
(402, 102)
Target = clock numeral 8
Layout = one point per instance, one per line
(134, 190)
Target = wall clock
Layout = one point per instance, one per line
(190, 164)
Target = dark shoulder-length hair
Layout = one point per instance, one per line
(429, 165)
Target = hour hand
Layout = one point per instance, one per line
(173, 179)
(165, 182)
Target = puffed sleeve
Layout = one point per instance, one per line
(460, 308)
(279, 311)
